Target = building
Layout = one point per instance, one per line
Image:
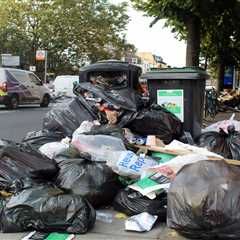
(150, 60)
(146, 60)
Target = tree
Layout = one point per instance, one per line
(187, 17)
(70, 30)
(220, 41)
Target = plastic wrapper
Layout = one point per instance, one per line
(223, 125)
(39, 138)
(156, 121)
(203, 201)
(128, 164)
(68, 116)
(140, 223)
(98, 146)
(226, 145)
(48, 209)
(52, 149)
(131, 203)
(126, 98)
(94, 181)
(19, 162)
(85, 126)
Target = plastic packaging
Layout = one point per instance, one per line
(227, 145)
(93, 180)
(20, 163)
(48, 209)
(68, 116)
(140, 223)
(98, 146)
(39, 138)
(128, 164)
(104, 217)
(156, 121)
(85, 126)
(203, 201)
(53, 149)
(131, 203)
(223, 125)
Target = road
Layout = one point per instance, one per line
(14, 124)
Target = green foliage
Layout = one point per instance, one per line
(219, 25)
(69, 29)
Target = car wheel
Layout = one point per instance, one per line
(45, 101)
(13, 102)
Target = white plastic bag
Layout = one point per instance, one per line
(216, 127)
(86, 126)
(98, 146)
(52, 149)
(176, 145)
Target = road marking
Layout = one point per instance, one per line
(6, 111)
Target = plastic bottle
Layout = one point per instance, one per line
(104, 217)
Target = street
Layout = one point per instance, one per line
(15, 124)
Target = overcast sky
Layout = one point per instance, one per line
(157, 39)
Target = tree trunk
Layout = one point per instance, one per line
(193, 25)
(220, 75)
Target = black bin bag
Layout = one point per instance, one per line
(156, 121)
(68, 116)
(39, 138)
(225, 144)
(203, 201)
(47, 209)
(20, 162)
(93, 180)
(132, 202)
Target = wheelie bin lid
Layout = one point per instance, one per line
(176, 74)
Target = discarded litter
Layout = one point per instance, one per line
(203, 201)
(222, 143)
(20, 164)
(46, 208)
(132, 202)
(127, 163)
(93, 180)
(104, 217)
(141, 222)
(52, 149)
(98, 146)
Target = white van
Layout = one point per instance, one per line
(18, 87)
(63, 85)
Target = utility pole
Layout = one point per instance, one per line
(46, 64)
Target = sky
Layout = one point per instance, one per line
(158, 40)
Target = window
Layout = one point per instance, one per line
(34, 79)
(20, 76)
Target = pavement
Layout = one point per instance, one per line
(114, 231)
(14, 124)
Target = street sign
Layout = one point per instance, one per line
(40, 55)
(32, 68)
(10, 61)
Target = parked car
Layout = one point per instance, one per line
(63, 85)
(19, 87)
